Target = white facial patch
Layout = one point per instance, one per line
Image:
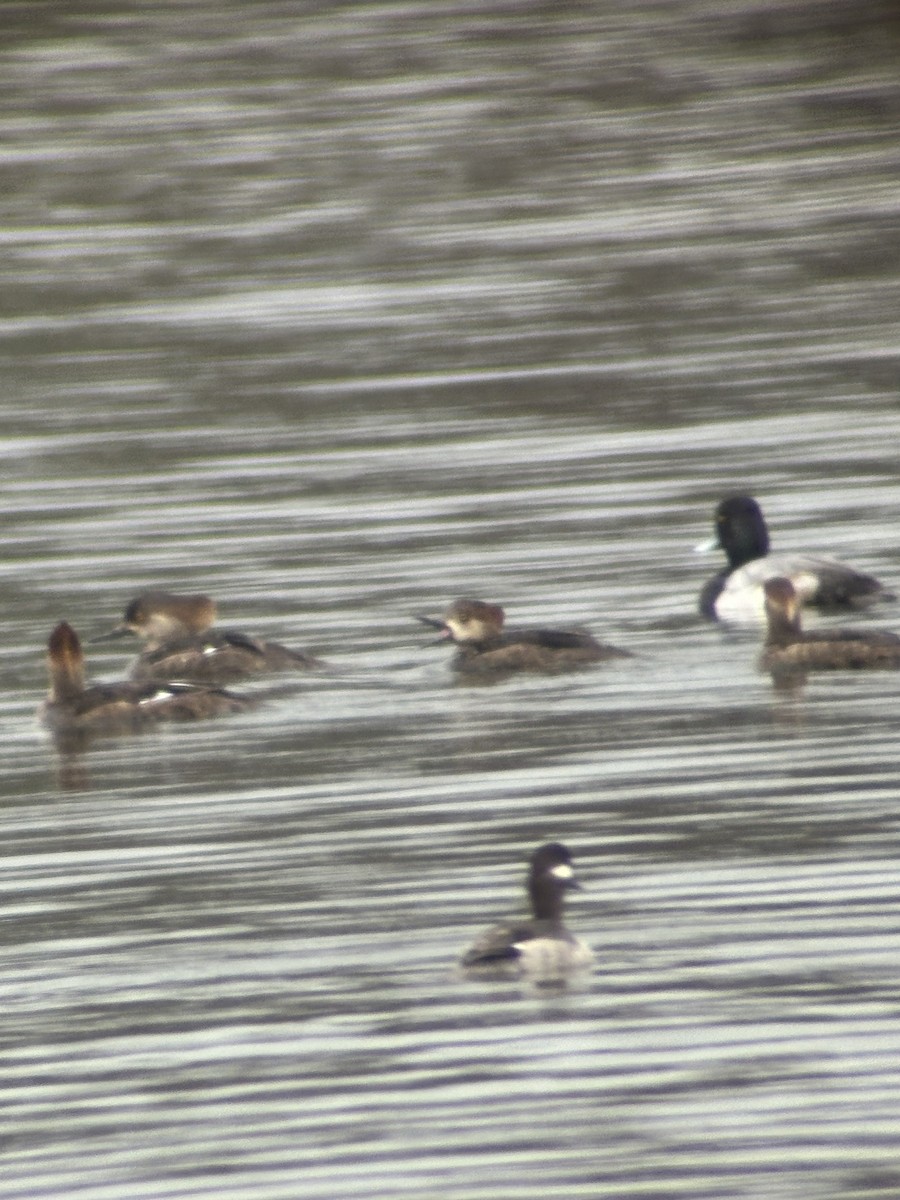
(563, 871)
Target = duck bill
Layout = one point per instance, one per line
(566, 876)
(436, 623)
(113, 635)
(707, 547)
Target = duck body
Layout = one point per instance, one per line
(181, 644)
(543, 949)
(113, 708)
(72, 707)
(538, 946)
(735, 594)
(485, 648)
(124, 707)
(788, 647)
(217, 656)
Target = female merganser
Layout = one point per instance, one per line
(484, 647)
(787, 647)
(180, 643)
(71, 707)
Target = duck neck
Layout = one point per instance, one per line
(66, 679)
(546, 899)
(747, 549)
(784, 627)
(490, 641)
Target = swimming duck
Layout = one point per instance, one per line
(180, 643)
(735, 594)
(787, 647)
(538, 946)
(72, 707)
(484, 647)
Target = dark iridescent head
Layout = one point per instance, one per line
(550, 876)
(741, 530)
(65, 662)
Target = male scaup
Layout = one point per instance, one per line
(539, 946)
(180, 643)
(485, 648)
(735, 594)
(788, 648)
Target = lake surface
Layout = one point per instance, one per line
(339, 312)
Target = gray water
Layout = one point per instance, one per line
(337, 312)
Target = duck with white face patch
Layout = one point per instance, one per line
(538, 946)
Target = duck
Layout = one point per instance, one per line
(180, 643)
(485, 648)
(735, 594)
(538, 946)
(72, 706)
(787, 647)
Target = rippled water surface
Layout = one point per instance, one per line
(339, 312)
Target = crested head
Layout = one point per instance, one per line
(65, 662)
(157, 616)
(63, 642)
(782, 598)
(782, 606)
(473, 621)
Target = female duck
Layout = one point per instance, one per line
(735, 594)
(540, 946)
(788, 648)
(484, 647)
(71, 707)
(180, 643)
